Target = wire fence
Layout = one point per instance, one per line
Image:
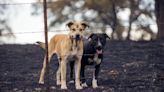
(50, 2)
(95, 29)
(46, 30)
(29, 3)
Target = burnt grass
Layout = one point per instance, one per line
(127, 67)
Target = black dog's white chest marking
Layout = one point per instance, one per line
(94, 60)
(99, 42)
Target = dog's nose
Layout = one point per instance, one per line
(77, 37)
(99, 47)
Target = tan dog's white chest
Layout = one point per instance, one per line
(75, 51)
(73, 55)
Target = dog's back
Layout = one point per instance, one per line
(58, 41)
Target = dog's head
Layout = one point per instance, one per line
(98, 40)
(77, 29)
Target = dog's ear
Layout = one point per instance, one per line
(84, 24)
(90, 36)
(106, 36)
(69, 24)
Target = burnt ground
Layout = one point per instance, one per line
(127, 67)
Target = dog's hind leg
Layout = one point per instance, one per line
(43, 71)
(58, 73)
(63, 68)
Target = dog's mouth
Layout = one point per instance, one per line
(99, 51)
(76, 38)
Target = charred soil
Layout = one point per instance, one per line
(127, 67)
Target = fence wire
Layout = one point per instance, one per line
(29, 3)
(105, 53)
(49, 2)
(95, 29)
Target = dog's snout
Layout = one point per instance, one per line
(99, 47)
(77, 37)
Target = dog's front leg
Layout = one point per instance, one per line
(82, 75)
(63, 67)
(95, 76)
(77, 73)
(71, 71)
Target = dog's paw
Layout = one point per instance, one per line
(63, 87)
(79, 87)
(72, 81)
(41, 82)
(94, 83)
(94, 86)
(58, 83)
(84, 84)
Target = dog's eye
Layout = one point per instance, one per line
(73, 29)
(81, 30)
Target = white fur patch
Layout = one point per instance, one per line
(84, 84)
(99, 43)
(94, 83)
(96, 59)
(58, 82)
(78, 87)
(72, 81)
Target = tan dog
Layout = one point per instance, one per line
(67, 48)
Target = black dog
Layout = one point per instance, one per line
(92, 55)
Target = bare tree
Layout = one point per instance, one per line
(159, 9)
(4, 27)
(106, 13)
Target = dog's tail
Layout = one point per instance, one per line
(41, 44)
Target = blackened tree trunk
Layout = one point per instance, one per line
(114, 19)
(159, 9)
(132, 9)
(135, 12)
(129, 28)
